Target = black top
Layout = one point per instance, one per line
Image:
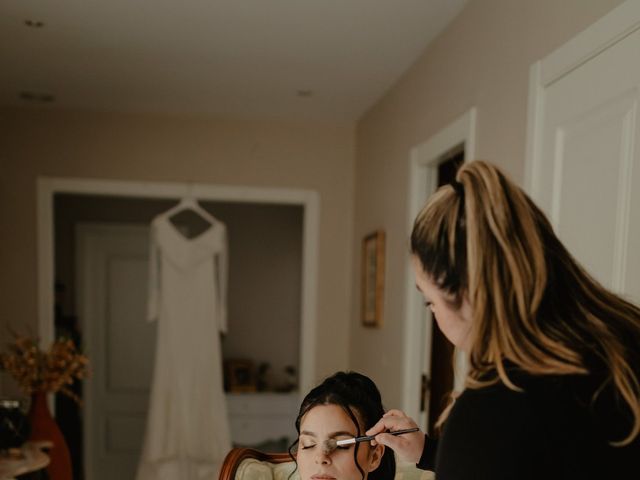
(550, 430)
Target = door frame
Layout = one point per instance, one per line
(423, 176)
(309, 200)
(605, 32)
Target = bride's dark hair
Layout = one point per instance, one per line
(359, 397)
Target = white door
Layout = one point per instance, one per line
(584, 155)
(112, 291)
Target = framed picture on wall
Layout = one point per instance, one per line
(373, 278)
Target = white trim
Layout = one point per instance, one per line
(308, 323)
(534, 130)
(558, 172)
(44, 231)
(613, 27)
(422, 182)
(308, 199)
(623, 211)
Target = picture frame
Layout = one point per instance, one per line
(373, 271)
(240, 376)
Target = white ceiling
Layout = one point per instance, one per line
(239, 58)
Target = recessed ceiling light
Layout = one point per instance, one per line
(36, 97)
(305, 93)
(34, 23)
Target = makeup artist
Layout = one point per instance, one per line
(553, 385)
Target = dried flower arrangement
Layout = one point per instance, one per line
(38, 371)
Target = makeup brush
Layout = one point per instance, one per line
(331, 444)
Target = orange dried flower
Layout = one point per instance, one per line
(38, 371)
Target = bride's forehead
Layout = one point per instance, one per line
(325, 411)
(328, 415)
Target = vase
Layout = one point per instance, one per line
(44, 427)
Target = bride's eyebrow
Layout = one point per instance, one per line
(341, 433)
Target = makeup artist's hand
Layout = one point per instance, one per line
(408, 446)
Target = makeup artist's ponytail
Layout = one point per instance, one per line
(533, 305)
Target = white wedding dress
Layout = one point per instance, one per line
(187, 432)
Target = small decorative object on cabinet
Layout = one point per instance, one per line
(240, 376)
(14, 426)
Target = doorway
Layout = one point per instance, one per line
(301, 205)
(439, 383)
(431, 164)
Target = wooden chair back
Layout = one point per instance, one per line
(237, 455)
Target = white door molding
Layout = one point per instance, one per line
(308, 199)
(610, 29)
(423, 175)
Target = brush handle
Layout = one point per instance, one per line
(366, 438)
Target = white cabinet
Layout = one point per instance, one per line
(256, 418)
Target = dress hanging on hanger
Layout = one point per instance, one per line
(187, 433)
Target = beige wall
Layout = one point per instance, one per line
(165, 148)
(482, 59)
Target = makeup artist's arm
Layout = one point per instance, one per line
(412, 447)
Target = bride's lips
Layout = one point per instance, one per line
(322, 476)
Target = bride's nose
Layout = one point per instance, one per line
(323, 456)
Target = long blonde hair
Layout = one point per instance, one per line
(533, 305)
